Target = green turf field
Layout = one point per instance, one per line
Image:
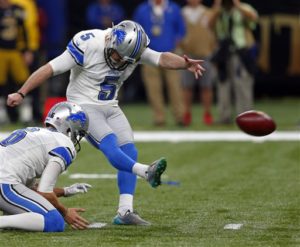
(254, 184)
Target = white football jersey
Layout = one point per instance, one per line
(26, 152)
(92, 80)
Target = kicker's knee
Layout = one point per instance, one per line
(54, 222)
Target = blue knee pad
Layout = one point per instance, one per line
(54, 222)
(127, 181)
(115, 155)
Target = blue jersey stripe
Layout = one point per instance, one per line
(137, 44)
(18, 200)
(75, 52)
(77, 47)
(64, 153)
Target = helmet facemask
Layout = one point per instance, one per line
(111, 62)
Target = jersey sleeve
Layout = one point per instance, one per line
(50, 175)
(150, 57)
(78, 45)
(62, 63)
(64, 153)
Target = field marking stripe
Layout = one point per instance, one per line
(233, 226)
(205, 136)
(103, 176)
(92, 176)
(179, 136)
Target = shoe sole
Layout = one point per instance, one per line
(120, 222)
(161, 167)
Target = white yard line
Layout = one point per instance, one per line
(205, 136)
(212, 136)
(105, 176)
(233, 226)
(92, 176)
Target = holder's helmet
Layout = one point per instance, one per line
(68, 119)
(129, 40)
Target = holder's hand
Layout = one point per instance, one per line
(73, 218)
(76, 188)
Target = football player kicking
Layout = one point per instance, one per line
(100, 61)
(43, 153)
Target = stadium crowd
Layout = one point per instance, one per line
(184, 27)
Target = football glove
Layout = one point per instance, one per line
(76, 188)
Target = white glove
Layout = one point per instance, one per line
(76, 188)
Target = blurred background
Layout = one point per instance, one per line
(49, 25)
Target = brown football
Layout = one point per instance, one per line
(255, 123)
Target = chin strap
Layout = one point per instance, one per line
(77, 141)
(77, 144)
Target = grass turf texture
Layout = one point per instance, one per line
(256, 184)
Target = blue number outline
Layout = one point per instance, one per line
(108, 88)
(17, 136)
(87, 36)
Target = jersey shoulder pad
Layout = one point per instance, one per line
(64, 149)
(79, 44)
(65, 153)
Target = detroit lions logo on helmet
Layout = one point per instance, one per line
(119, 36)
(80, 117)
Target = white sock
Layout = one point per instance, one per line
(140, 170)
(125, 203)
(26, 221)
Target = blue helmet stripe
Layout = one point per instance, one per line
(137, 44)
(64, 153)
(76, 53)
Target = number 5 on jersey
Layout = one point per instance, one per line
(108, 88)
